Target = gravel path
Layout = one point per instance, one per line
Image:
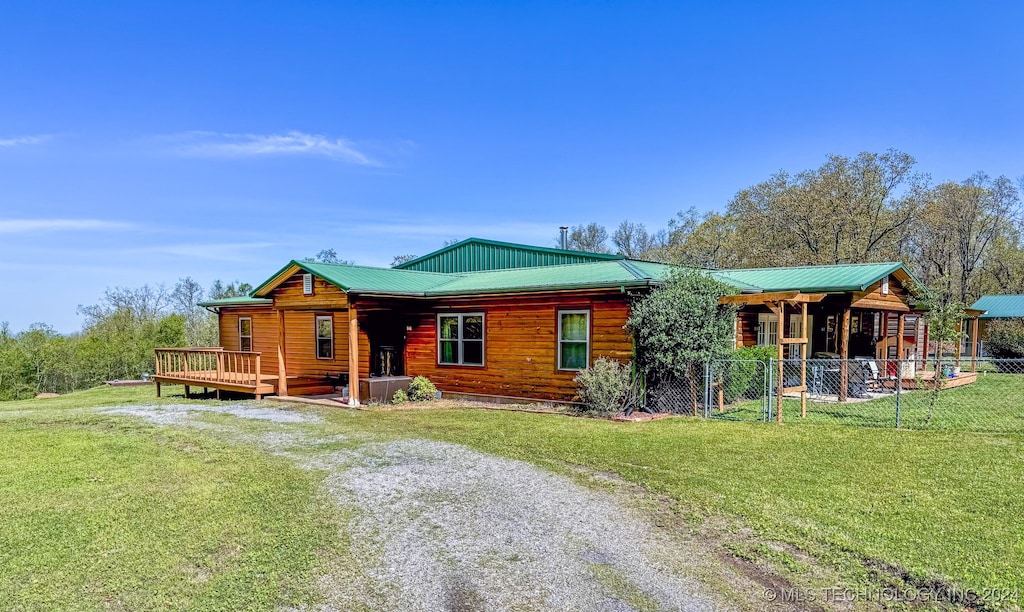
(441, 527)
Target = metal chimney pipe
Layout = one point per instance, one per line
(564, 229)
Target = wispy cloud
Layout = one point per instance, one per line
(217, 251)
(18, 141)
(27, 226)
(214, 144)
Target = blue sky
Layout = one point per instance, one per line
(140, 143)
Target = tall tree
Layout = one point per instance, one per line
(960, 224)
(635, 242)
(848, 210)
(401, 259)
(591, 237)
(329, 256)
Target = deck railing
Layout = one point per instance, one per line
(211, 365)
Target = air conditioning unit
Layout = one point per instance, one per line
(307, 284)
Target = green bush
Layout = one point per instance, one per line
(743, 375)
(603, 387)
(400, 397)
(422, 390)
(1006, 339)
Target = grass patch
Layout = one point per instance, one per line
(108, 512)
(991, 404)
(103, 396)
(937, 505)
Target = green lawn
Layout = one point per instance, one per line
(934, 504)
(103, 512)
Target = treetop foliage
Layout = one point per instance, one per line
(117, 338)
(962, 239)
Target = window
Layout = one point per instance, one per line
(325, 337)
(573, 339)
(460, 339)
(245, 334)
(767, 329)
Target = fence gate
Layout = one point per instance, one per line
(737, 390)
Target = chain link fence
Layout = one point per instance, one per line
(985, 395)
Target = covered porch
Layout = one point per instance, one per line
(841, 345)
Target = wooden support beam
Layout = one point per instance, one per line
(282, 356)
(794, 340)
(798, 388)
(781, 312)
(900, 325)
(844, 355)
(158, 389)
(353, 356)
(771, 298)
(803, 360)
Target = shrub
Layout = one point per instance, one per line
(679, 327)
(400, 397)
(603, 387)
(1006, 339)
(743, 375)
(421, 389)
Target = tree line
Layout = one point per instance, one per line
(962, 239)
(116, 341)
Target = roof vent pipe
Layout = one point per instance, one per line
(564, 229)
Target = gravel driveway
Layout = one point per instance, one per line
(441, 527)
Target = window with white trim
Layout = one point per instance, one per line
(767, 329)
(245, 334)
(573, 339)
(460, 339)
(325, 337)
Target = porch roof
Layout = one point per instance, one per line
(841, 277)
(240, 300)
(1000, 306)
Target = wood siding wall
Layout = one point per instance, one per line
(520, 336)
(520, 345)
(264, 333)
(300, 327)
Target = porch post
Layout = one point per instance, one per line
(900, 325)
(806, 333)
(781, 335)
(974, 344)
(282, 356)
(844, 355)
(353, 356)
(959, 340)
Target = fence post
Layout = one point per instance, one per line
(899, 389)
(707, 389)
(769, 396)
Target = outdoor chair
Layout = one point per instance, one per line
(874, 378)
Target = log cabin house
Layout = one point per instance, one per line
(499, 320)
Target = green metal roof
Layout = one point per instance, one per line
(581, 275)
(360, 279)
(477, 254)
(1000, 306)
(241, 300)
(595, 270)
(841, 277)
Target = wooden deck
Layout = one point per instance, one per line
(927, 381)
(233, 371)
